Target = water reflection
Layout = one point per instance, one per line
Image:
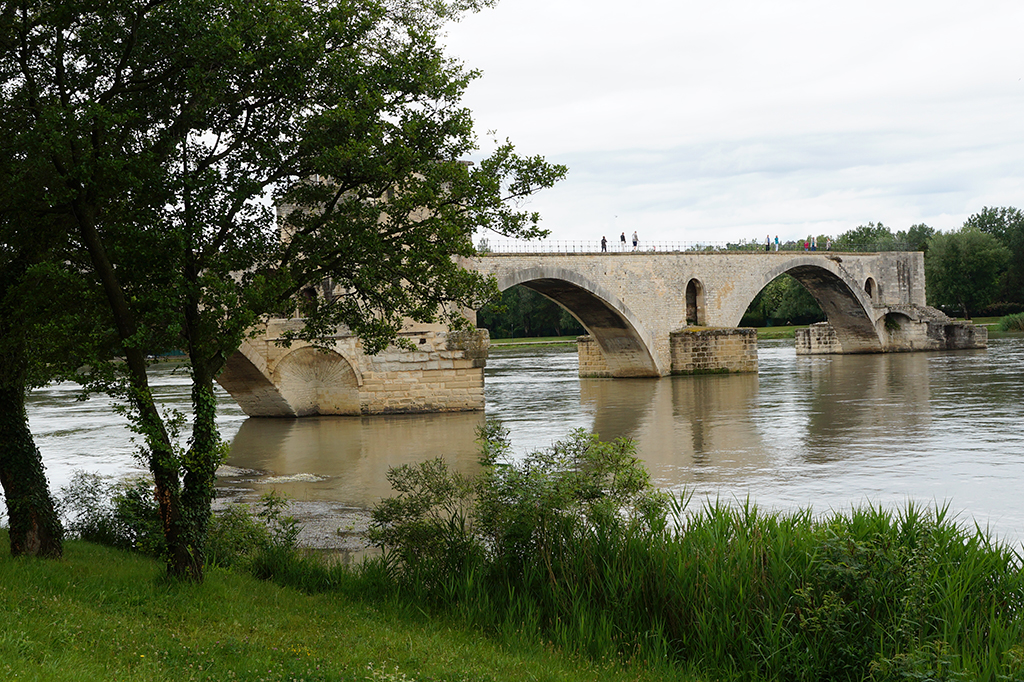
(856, 399)
(684, 427)
(345, 459)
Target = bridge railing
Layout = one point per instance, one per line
(616, 246)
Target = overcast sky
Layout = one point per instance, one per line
(733, 119)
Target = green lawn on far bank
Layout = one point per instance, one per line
(101, 614)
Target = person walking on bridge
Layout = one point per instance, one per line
(604, 244)
(622, 238)
(635, 240)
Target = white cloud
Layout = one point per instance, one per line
(729, 119)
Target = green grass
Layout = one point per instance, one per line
(905, 594)
(535, 341)
(783, 332)
(102, 614)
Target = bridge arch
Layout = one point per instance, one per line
(871, 288)
(245, 378)
(308, 380)
(847, 305)
(316, 380)
(625, 342)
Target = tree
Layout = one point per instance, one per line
(870, 237)
(34, 528)
(1007, 225)
(47, 325)
(522, 312)
(797, 305)
(962, 269)
(916, 238)
(163, 126)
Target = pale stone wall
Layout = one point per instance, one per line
(591, 359)
(713, 351)
(444, 372)
(905, 329)
(817, 339)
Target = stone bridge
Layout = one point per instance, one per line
(647, 314)
(634, 303)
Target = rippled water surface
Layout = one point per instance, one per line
(823, 431)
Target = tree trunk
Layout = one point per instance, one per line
(35, 529)
(162, 461)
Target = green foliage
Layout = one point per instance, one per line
(870, 237)
(1007, 225)
(424, 527)
(571, 546)
(963, 269)
(916, 238)
(521, 312)
(121, 514)
(1012, 323)
(783, 301)
(349, 117)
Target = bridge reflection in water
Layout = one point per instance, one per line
(345, 459)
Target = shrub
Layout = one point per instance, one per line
(571, 545)
(1012, 323)
(234, 535)
(121, 514)
(124, 514)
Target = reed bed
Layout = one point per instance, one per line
(731, 591)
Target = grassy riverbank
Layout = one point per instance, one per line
(103, 615)
(780, 332)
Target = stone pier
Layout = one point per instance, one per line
(436, 371)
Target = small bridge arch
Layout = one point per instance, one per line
(624, 340)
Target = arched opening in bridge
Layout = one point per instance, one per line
(695, 315)
(783, 301)
(317, 381)
(521, 312)
(871, 288)
(615, 344)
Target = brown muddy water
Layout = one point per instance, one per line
(827, 432)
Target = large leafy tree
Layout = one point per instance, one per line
(34, 528)
(165, 126)
(522, 312)
(1007, 225)
(915, 238)
(963, 268)
(48, 327)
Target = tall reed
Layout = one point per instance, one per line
(582, 553)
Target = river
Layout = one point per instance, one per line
(821, 431)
